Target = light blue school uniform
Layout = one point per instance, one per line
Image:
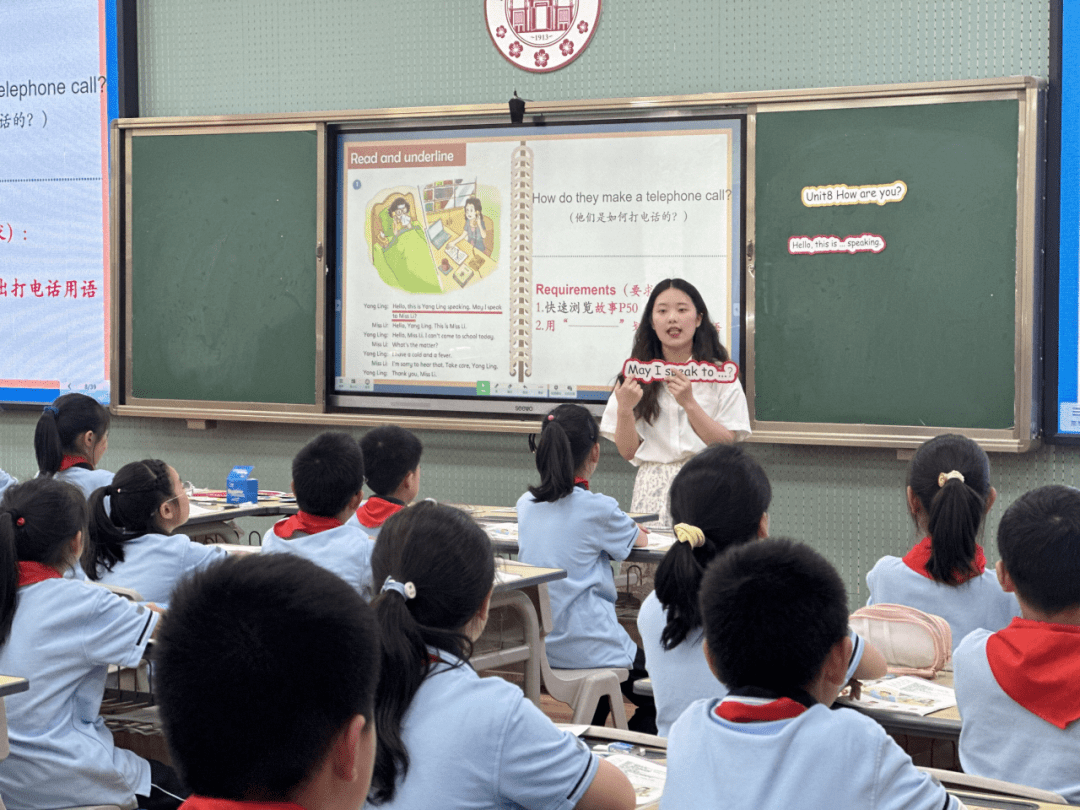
(368, 530)
(64, 635)
(6, 481)
(681, 676)
(979, 602)
(345, 550)
(155, 563)
(1001, 739)
(84, 479)
(819, 760)
(581, 533)
(478, 743)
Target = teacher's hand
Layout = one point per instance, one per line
(680, 388)
(628, 393)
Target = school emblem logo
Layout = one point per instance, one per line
(541, 35)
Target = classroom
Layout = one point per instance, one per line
(284, 57)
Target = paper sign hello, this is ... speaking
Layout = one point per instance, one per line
(647, 372)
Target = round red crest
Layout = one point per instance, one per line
(541, 35)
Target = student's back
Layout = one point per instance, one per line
(71, 436)
(948, 496)
(63, 635)
(392, 472)
(719, 499)
(447, 736)
(131, 541)
(328, 476)
(776, 630)
(1017, 688)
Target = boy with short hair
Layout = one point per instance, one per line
(265, 674)
(392, 455)
(776, 632)
(1018, 689)
(328, 476)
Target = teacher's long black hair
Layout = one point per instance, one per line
(647, 346)
(445, 560)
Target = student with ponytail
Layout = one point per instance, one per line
(62, 634)
(562, 524)
(131, 541)
(71, 436)
(445, 735)
(948, 496)
(719, 500)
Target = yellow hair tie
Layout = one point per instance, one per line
(943, 477)
(685, 533)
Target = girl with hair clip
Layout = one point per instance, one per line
(62, 634)
(658, 426)
(442, 730)
(71, 436)
(131, 539)
(561, 524)
(948, 496)
(719, 499)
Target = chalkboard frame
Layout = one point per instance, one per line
(1028, 93)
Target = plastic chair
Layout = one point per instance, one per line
(984, 784)
(580, 688)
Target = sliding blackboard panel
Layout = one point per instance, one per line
(223, 276)
(922, 333)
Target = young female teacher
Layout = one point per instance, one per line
(658, 426)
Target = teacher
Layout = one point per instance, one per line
(658, 426)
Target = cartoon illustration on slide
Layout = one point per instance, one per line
(435, 238)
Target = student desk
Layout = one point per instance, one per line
(212, 521)
(518, 590)
(940, 725)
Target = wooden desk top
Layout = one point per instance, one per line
(522, 575)
(944, 723)
(12, 685)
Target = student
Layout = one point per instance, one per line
(392, 461)
(443, 731)
(265, 674)
(133, 544)
(562, 524)
(1017, 688)
(71, 436)
(719, 499)
(776, 632)
(948, 496)
(659, 425)
(328, 475)
(62, 634)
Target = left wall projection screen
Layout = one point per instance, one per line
(57, 76)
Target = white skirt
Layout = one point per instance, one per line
(651, 488)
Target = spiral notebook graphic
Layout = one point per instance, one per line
(521, 252)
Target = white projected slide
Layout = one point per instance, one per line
(53, 199)
(499, 264)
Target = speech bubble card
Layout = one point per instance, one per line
(658, 370)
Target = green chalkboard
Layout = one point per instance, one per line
(223, 276)
(922, 333)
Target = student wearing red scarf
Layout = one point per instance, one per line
(328, 476)
(1017, 688)
(948, 496)
(392, 464)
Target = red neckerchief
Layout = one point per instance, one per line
(72, 461)
(581, 482)
(919, 556)
(206, 803)
(31, 572)
(304, 522)
(749, 709)
(1037, 664)
(375, 511)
